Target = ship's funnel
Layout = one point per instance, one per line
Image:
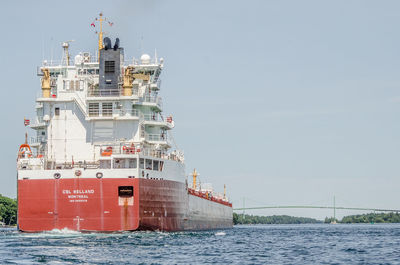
(116, 45)
(107, 43)
(110, 63)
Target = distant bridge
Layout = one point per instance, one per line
(316, 207)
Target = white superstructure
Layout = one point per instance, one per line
(79, 124)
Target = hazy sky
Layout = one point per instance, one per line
(286, 102)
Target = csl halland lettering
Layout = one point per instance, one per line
(78, 192)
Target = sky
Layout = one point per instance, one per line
(285, 102)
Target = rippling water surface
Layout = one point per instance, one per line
(261, 244)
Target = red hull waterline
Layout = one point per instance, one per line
(109, 205)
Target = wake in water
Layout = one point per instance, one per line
(64, 231)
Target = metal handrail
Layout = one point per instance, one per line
(113, 112)
(152, 117)
(80, 103)
(96, 92)
(124, 112)
(35, 140)
(157, 137)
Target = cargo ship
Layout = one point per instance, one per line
(102, 158)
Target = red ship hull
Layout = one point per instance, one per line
(108, 205)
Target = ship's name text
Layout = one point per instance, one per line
(78, 191)
(78, 195)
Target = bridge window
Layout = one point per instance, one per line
(156, 165)
(141, 163)
(119, 163)
(93, 109)
(57, 111)
(107, 109)
(133, 163)
(149, 164)
(66, 85)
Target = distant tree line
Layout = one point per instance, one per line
(8, 210)
(370, 218)
(275, 219)
(285, 219)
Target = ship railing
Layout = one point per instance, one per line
(155, 153)
(157, 137)
(209, 195)
(134, 149)
(78, 164)
(129, 112)
(152, 117)
(118, 149)
(153, 99)
(36, 140)
(135, 61)
(130, 149)
(52, 63)
(95, 112)
(174, 156)
(111, 92)
(150, 99)
(37, 120)
(80, 103)
(53, 93)
(88, 72)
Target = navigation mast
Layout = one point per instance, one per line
(100, 35)
(194, 174)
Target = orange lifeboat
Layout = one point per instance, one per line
(107, 152)
(25, 151)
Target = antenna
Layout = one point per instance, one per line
(224, 192)
(42, 47)
(52, 50)
(65, 46)
(141, 44)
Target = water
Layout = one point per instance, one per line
(261, 244)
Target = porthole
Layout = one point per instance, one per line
(57, 175)
(99, 175)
